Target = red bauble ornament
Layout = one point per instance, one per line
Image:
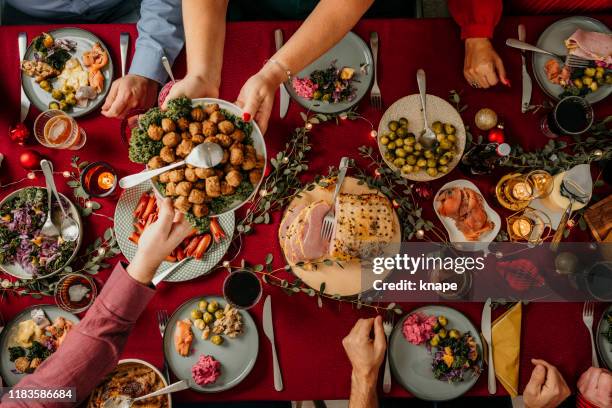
(19, 133)
(496, 135)
(29, 159)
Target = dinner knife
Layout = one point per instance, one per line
(485, 327)
(22, 40)
(284, 95)
(524, 74)
(163, 275)
(269, 331)
(124, 41)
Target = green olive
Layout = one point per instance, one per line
(449, 129)
(609, 79)
(431, 163)
(57, 94)
(445, 145)
(443, 160)
(207, 317)
(435, 340)
(399, 142)
(212, 306)
(407, 168)
(384, 140)
(64, 106)
(216, 340)
(392, 135)
(401, 132)
(393, 125)
(454, 334)
(54, 105)
(196, 314)
(587, 80)
(389, 156)
(400, 152)
(428, 154)
(440, 137)
(391, 146)
(421, 163)
(593, 86)
(442, 333)
(443, 169)
(418, 147)
(411, 160)
(589, 72)
(202, 304)
(442, 320)
(436, 127)
(403, 121)
(219, 314)
(408, 148)
(66, 89)
(451, 138)
(410, 139)
(70, 99)
(399, 162)
(316, 95)
(432, 172)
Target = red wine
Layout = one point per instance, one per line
(242, 289)
(572, 116)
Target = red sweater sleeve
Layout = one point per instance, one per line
(92, 348)
(477, 18)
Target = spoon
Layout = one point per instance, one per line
(69, 227)
(49, 229)
(204, 155)
(428, 137)
(123, 401)
(167, 67)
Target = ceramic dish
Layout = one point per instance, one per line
(124, 226)
(604, 348)
(438, 109)
(553, 40)
(16, 270)
(455, 236)
(85, 40)
(6, 366)
(236, 355)
(351, 52)
(411, 364)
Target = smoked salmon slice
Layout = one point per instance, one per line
(183, 336)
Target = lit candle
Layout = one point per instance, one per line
(106, 180)
(521, 191)
(521, 227)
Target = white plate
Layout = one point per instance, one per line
(603, 346)
(454, 235)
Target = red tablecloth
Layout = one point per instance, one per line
(308, 338)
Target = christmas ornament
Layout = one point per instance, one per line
(496, 135)
(29, 159)
(19, 133)
(597, 154)
(485, 119)
(423, 190)
(566, 263)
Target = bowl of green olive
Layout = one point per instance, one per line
(399, 134)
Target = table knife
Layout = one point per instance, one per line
(22, 40)
(163, 275)
(269, 331)
(124, 41)
(524, 74)
(284, 95)
(485, 327)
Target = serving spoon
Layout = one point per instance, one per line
(123, 401)
(428, 137)
(69, 229)
(204, 155)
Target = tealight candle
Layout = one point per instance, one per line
(99, 179)
(521, 227)
(522, 191)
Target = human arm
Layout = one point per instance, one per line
(160, 32)
(595, 389)
(483, 67)
(93, 346)
(204, 23)
(366, 356)
(325, 26)
(546, 387)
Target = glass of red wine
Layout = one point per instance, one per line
(571, 116)
(242, 289)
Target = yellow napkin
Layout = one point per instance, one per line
(506, 337)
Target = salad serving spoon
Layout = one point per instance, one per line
(123, 401)
(69, 229)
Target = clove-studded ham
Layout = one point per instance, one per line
(302, 237)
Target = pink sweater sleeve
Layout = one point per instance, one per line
(91, 350)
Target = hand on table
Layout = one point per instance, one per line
(546, 387)
(366, 355)
(130, 92)
(483, 68)
(595, 385)
(192, 86)
(158, 241)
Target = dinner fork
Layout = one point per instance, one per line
(162, 322)
(388, 328)
(375, 97)
(587, 318)
(330, 218)
(572, 61)
(575, 61)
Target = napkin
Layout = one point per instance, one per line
(506, 337)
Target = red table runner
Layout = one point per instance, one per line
(312, 360)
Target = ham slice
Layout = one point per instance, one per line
(591, 45)
(300, 233)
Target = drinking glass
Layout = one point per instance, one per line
(571, 116)
(65, 298)
(57, 130)
(242, 289)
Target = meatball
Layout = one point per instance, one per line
(171, 139)
(233, 178)
(200, 210)
(182, 204)
(204, 173)
(238, 135)
(212, 139)
(184, 188)
(185, 136)
(224, 140)
(164, 177)
(213, 107)
(177, 175)
(184, 148)
(226, 156)
(170, 189)
(236, 154)
(213, 186)
(155, 163)
(255, 176)
(195, 128)
(216, 117)
(168, 125)
(155, 132)
(190, 175)
(183, 123)
(167, 154)
(197, 196)
(249, 162)
(198, 114)
(209, 128)
(226, 189)
(226, 127)
(197, 139)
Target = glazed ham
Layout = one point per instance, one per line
(301, 233)
(591, 45)
(465, 206)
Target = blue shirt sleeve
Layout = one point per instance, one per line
(160, 32)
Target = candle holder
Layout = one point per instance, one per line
(99, 179)
(529, 225)
(515, 191)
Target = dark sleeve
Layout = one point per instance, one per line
(477, 18)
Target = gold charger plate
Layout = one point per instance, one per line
(342, 280)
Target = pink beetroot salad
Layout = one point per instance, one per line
(206, 370)
(419, 328)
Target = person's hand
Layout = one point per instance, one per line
(192, 86)
(157, 241)
(366, 355)
(257, 95)
(127, 93)
(482, 67)
(546, 387)
(595, 385)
